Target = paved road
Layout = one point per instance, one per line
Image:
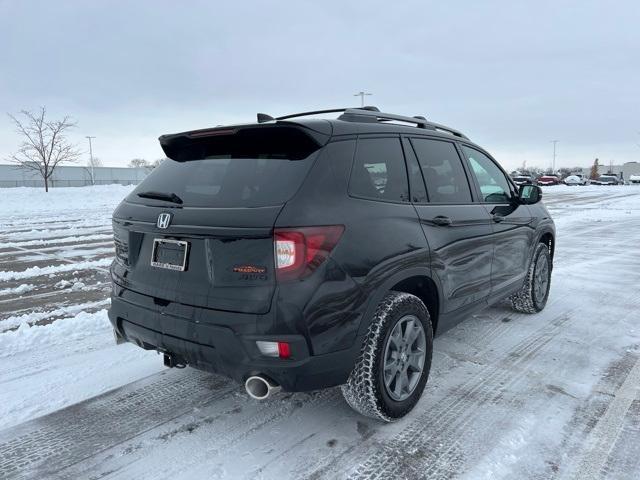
(554, 395)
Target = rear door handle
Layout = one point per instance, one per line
(442, 221)
(497, 218)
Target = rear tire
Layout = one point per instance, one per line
(393, 367)
(533, 295)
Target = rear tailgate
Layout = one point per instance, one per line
(228, 266)
(212, 211)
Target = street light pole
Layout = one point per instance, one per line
(362, 95)
(93, 178)
(553, 165)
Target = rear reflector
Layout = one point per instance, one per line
(299, 251)
(284, 351)
(274, 349)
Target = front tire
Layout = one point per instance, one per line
(393, 367)
(533, 295)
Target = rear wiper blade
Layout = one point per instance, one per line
(169, 197)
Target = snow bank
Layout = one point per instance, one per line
(56, 365)
(53, 269)
(33, 317)
(69, 329)
(55, 241)
(27, 200)
(20, 290)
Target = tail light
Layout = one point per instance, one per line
(120, 240)
(299, 251)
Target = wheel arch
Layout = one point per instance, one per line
(548, 238)
(416, 281)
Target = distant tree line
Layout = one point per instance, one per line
(142, 163)
(564, 172)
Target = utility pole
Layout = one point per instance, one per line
(362, 95)
(93, 178)
(553, 165)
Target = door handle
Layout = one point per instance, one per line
(497, 218)
(442, 221)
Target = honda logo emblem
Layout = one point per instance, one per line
(164, 219)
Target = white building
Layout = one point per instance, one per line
(622, 171)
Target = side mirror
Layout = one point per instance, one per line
(529, 194)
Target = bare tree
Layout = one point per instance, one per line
(138, 163)
(157, 162)
(44, 143)
(89, 169)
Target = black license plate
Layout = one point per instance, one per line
(170, 254)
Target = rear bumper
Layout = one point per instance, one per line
(206, 339)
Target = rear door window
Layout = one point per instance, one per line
(379, 172)
(442, 170)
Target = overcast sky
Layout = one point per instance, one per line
(512, 75)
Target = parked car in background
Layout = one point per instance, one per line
(606, 180)
(575, 180)
(634, 179)
(522, 180)
(547, 180)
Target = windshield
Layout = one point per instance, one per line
(222, 181)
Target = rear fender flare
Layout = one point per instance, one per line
(385, 287)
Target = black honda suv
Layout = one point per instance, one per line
(300, 253)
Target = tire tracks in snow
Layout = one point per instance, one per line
(42, 447)
(400, 455)
(426, 441)
(610, 422)
(227, 431)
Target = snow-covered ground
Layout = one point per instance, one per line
(553, 395)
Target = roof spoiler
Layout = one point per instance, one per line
(285, 140)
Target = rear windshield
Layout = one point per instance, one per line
(224, 181)
(246, 167)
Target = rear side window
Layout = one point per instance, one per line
(494, 185)
(379, 171)
(442, 170)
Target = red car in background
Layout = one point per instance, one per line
(548, 180)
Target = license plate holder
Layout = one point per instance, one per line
(170, 254)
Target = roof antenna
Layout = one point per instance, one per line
(264, 118)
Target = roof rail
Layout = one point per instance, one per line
(351, 114)
(315, 112)
(370, 114)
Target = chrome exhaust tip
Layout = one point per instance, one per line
(260, 388)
